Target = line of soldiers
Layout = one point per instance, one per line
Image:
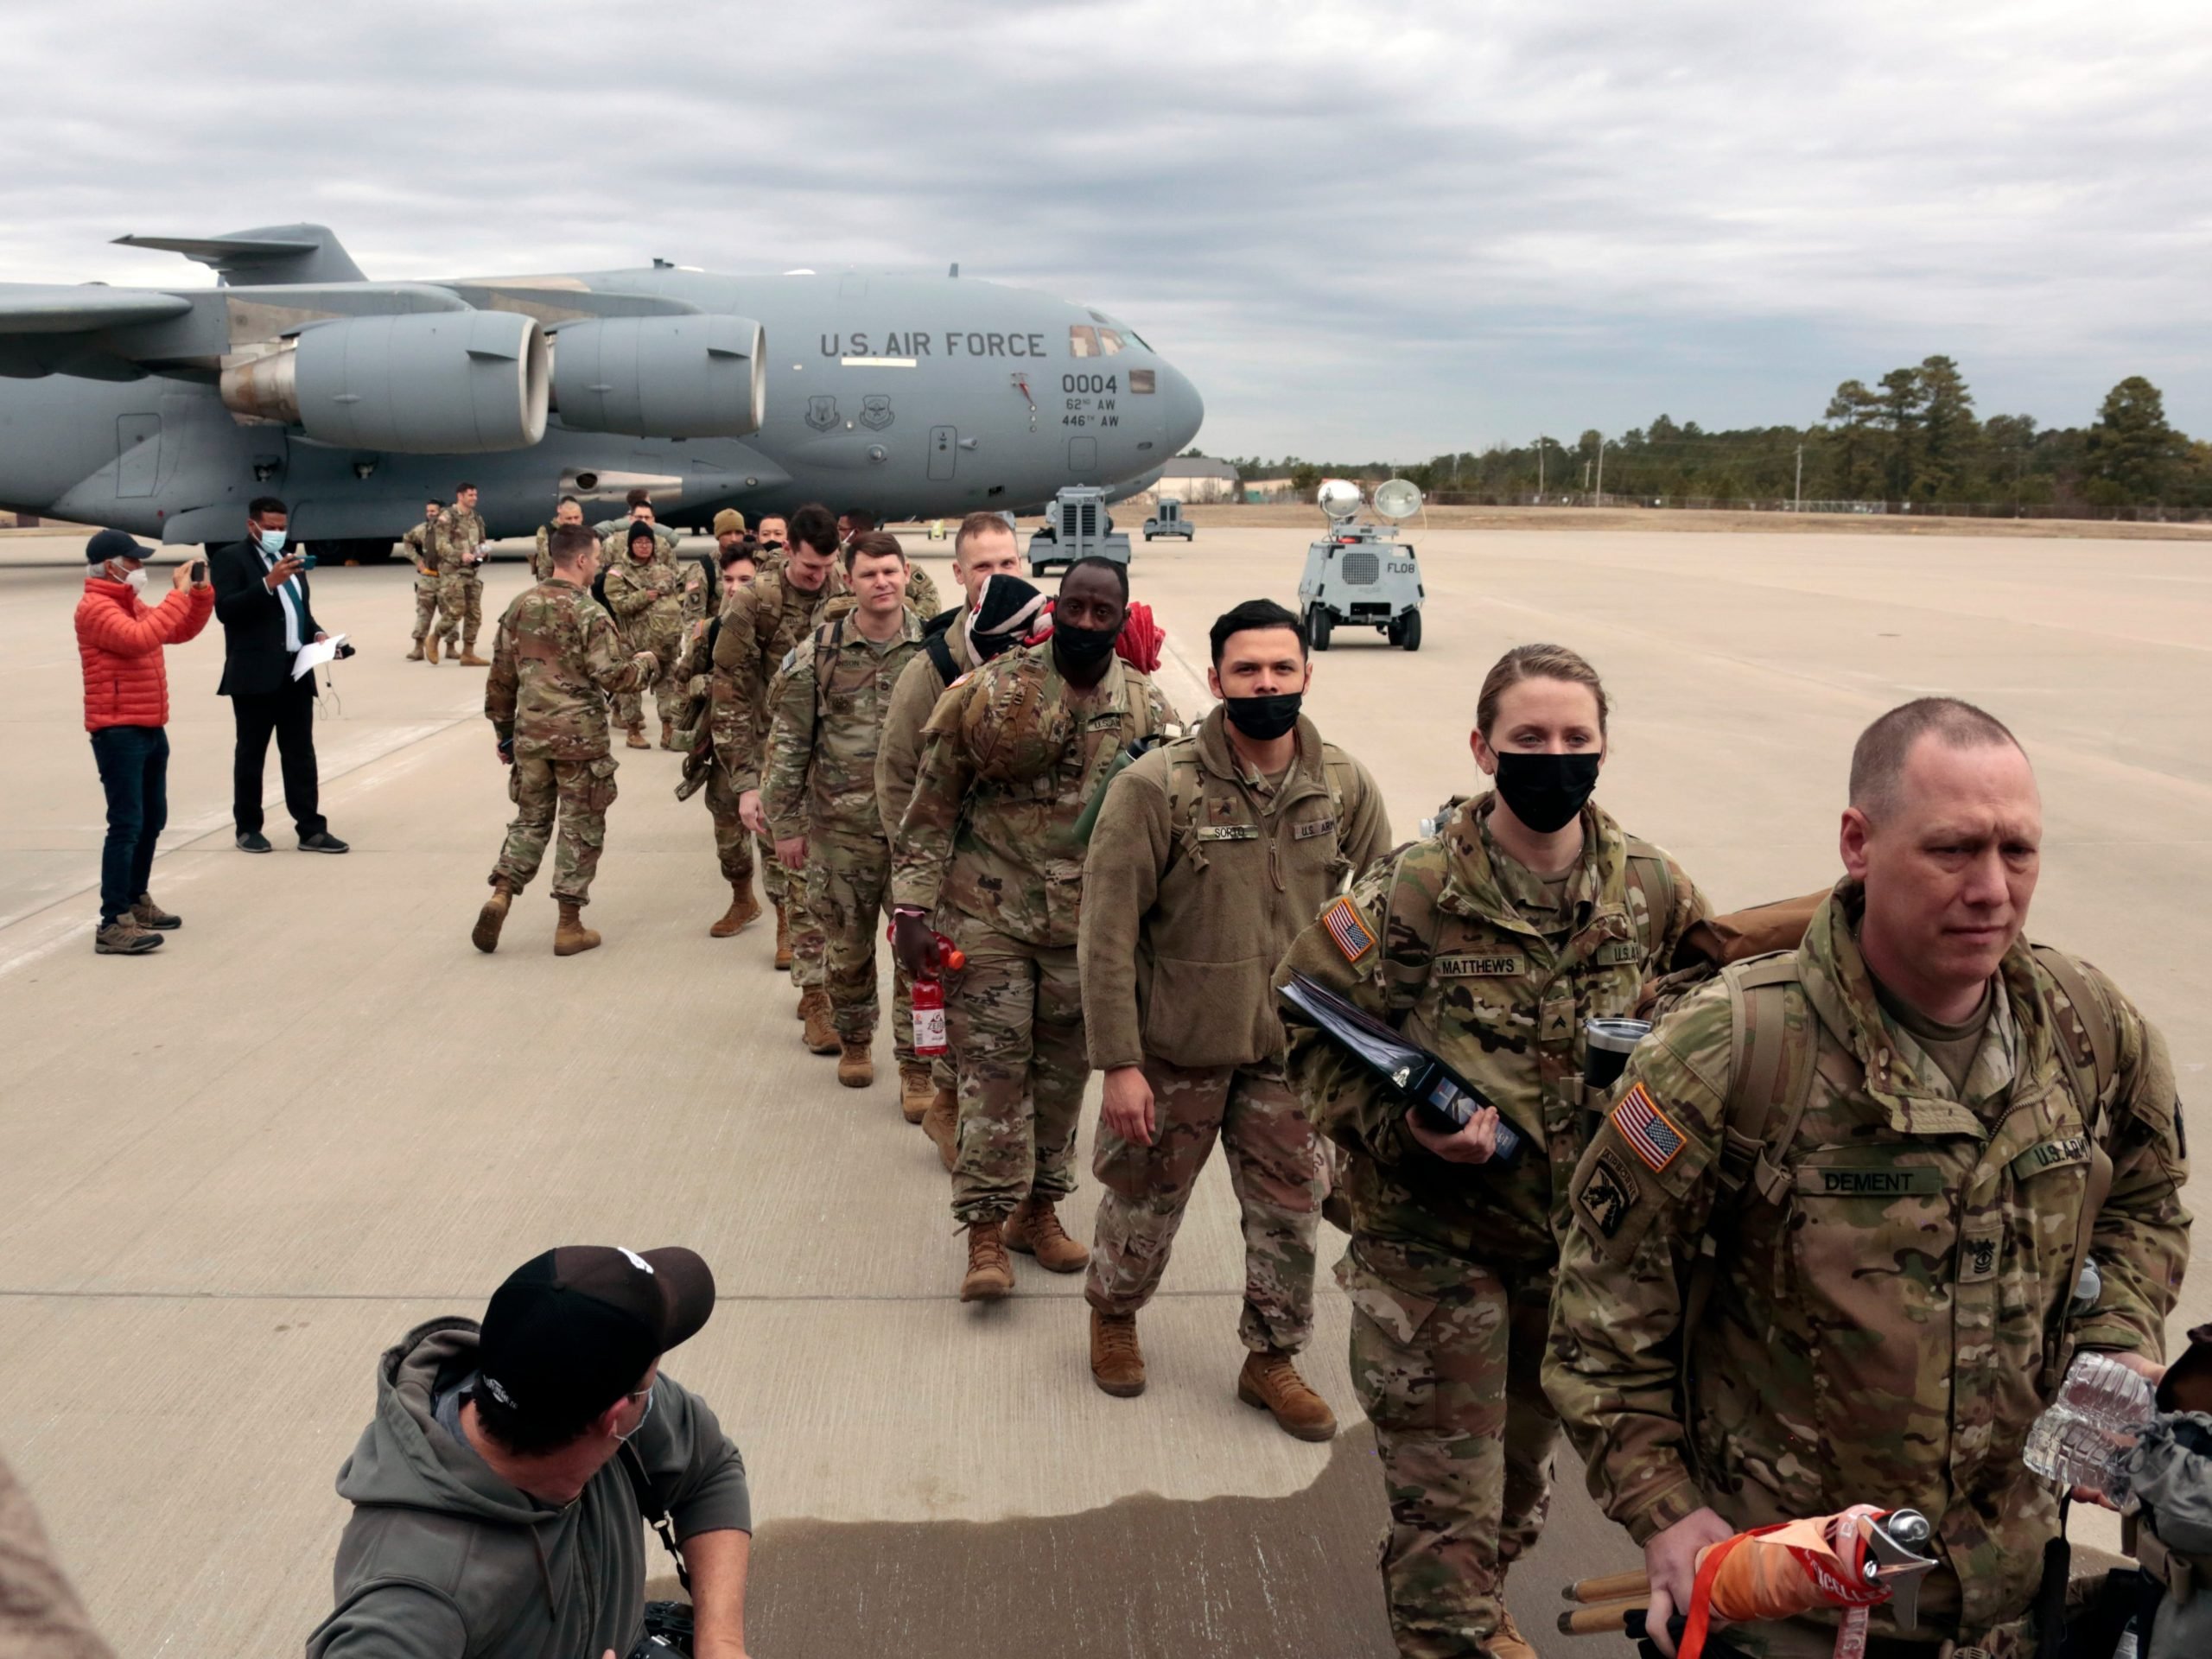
(1854, 1183)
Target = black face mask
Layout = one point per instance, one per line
(1266, 717)
(1083, 649)
(1546, 791)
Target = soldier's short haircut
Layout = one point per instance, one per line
(815, 527)
(463, 487)
(979, 523)
(1093, 562)
(567, 501)
(1877, 760)
(1252, 615)
(639, 497)
(746, 549)
(569, 542)
(876, 545)
(262, 505)
(860, 522)
(432, 501)
(1536, 663)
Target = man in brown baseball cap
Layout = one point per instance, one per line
(497, 1492)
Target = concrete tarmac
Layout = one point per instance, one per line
(233, 1172)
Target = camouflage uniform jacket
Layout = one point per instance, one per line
(1199, 877)
(458, 533)
(646, 605)
(820, 779)
(1437, 939)
(1884, 1327)
(1002, 849)
(921, 592)
(760, 627)
(422, 545)
(556, 661)
(540, 562)
(899, 757)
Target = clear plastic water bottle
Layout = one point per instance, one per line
(2084, 1437)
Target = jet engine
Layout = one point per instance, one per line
(420, 383)
(685, 377)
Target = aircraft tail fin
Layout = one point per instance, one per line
(270, 253)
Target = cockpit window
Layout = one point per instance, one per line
(1109, 342)
(1083, 340)
(1142, 380)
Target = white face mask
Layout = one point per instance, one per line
(136, 578)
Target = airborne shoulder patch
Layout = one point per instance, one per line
(1609, 1192)
(1350, 930)
(1650, 1134)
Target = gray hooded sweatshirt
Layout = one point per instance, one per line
(443, 1559)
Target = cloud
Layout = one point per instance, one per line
(1366, 229)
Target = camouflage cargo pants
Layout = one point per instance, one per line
(668, 686)
(1447, 1373)
(1273, 1167)
(810, 944)
(1014, 1017)
(732, 841)
(848, 895)
(461, 605)
(426, 607)
(580, 791)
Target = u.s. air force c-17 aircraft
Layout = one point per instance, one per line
(163, 411)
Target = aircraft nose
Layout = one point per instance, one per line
(1182, 411)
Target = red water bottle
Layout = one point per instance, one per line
(928, 998)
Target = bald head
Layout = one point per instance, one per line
(1878, 764)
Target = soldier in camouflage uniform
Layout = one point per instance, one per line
(986, 546)
(1012, 755)
(818, 793)
(567, 511)
(615, 533)
(1209, 856)
(759, 628)
(422, 545)
(459, 541)
(1862, 1204)
(703, 770)
(642, 591)
(921, 592)
(557, 661)
(1488, 943)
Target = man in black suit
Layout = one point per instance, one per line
(261, 599)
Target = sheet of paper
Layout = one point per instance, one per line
(315, 654)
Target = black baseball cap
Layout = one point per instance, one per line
(107, 544)
(572, 1330)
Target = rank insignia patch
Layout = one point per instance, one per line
(1349, 930)
(1647, 1130)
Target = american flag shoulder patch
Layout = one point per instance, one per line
(1350, 930)
(1648, 1130)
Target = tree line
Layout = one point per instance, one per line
(1911, 440)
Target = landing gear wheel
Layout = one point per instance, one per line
(1406, 631)
(1317, 628)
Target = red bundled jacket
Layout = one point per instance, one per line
(120, 637)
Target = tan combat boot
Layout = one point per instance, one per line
(942, 1124)
(915, 1089)
(468, 659)
(1034, 1230)
(782, 939)
(743, 908)
(570, 935)
(856, 1064)
(821, 1036)
(989, 1275)
(1116, 1362)
(668, 734)
(1270, 1380)
(636, 740)
(493, 915)
(430, 648)
(1506, 1641)
(415, 655)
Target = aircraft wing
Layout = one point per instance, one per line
(59, 309)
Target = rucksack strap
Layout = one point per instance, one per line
(654, 1509)
(2097, 1026)
(1651, 874)
(939, 645)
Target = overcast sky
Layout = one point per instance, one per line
(1366, 231)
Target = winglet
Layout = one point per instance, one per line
(270, 253)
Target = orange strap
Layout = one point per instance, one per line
(1698, 1616)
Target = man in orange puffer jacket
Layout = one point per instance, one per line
(126, 707)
